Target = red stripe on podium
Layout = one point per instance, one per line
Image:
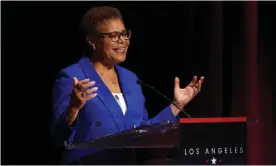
(214, 120)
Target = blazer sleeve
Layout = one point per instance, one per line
(60, 130)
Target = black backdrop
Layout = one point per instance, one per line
(169, 39)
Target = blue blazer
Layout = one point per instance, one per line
(101, 115)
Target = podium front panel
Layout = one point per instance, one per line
(211, 143)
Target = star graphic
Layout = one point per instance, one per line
(214, 160)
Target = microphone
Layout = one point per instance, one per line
(144, 84)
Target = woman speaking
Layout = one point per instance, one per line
(96, 97)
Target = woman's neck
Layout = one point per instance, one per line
(101, 65)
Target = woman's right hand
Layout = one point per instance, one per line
(82, 92)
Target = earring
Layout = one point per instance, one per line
(92, 45)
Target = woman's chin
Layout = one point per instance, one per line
(120, 59)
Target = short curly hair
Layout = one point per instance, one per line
(97, 15)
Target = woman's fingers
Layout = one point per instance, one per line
(84, 88)
(91, 96)
(89, 91)
(193, 82)
(199, 82)
(79, 84)
(87, 85)
(75, 81)
(197, 86)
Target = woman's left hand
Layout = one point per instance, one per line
(183, 96)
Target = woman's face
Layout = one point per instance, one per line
(111, 41)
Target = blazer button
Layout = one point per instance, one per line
(98, 124)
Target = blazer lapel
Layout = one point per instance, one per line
(132, 115)
(124, 87)
(104, 93)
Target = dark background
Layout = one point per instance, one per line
(169, 39)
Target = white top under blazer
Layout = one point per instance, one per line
(121, 101)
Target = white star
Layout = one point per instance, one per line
(214, 160)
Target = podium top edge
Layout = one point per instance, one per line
(214, 120)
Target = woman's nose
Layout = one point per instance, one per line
(121, 39)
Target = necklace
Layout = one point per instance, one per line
(113, 79)
(115, 82)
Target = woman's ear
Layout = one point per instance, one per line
(91, 42)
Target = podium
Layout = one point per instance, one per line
(192, 141)
(220, 141)
(161, 135)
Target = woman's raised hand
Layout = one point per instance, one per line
(83, 90)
